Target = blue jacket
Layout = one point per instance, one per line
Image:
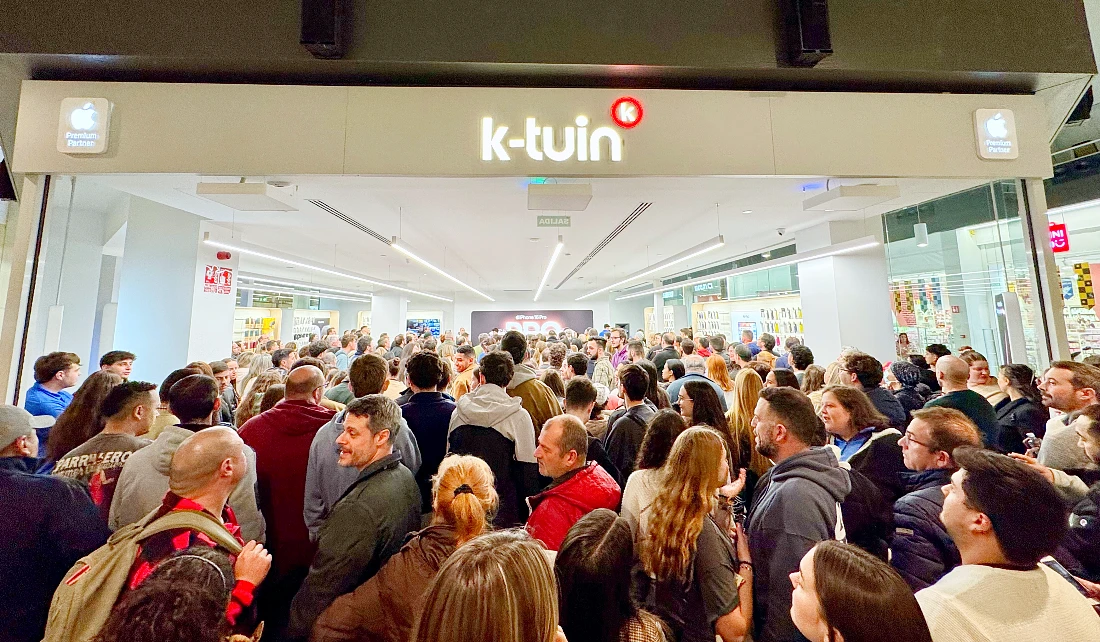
(429, 417)
(46, 524)
(886, 403)
(40, 402)
(922, 551)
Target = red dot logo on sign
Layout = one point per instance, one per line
(626, 112)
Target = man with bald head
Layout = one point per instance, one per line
(281, 438)
(203, 473)
(952, 373)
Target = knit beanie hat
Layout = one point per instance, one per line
(906, 373)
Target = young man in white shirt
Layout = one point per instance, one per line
(1004, 517)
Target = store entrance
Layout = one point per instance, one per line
(177, 268)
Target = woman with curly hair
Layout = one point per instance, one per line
(681, 545)
(81, 420)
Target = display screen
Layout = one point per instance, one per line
(420, 325)
(530, 321)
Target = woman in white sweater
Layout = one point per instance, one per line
(642, 485)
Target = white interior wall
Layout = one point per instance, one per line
(157, 288)
(630, 311)
(211, 312)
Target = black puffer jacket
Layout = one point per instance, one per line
(922, 551)
(1016, 419)
(912, 398)
(1080, 550)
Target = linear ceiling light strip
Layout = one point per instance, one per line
(642, 207)
(549, 266)
(690, 253)
(346, 275)
(835, 250)
(308, 286)
(397, 246)
(309, 294)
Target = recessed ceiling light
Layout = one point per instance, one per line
(534, 239)
(746, 211)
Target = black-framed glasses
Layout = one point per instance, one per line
(908, 436)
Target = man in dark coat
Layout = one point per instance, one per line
(49, 523)
(865, 372)
(922, 551)
(370, 521)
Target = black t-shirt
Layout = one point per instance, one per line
(692, 608)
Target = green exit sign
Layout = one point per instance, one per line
(554, 221)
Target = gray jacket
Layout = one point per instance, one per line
(144, 481)
(326, 480)
(794, 508)
(367, 526)
(1059, 448)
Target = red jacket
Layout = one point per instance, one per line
(556, 509)
(281, 438)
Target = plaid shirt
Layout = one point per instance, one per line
(159, 547)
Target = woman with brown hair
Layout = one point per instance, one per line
(249, 405)
(81, 420)
(386, 606)
(643, 484)
(864, 437)
(681, 544)
(497, 587)
(747, 386)
(720, 374)
(813, 384)
(842, 592)
(593, 567)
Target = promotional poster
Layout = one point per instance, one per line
(529, 321)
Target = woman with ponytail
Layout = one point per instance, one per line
(385, 608)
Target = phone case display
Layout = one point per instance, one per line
(785, 321)
(309, 322)
(249, 324)
(1082, 328)
(780, 316)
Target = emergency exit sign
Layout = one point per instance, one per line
(554, 221)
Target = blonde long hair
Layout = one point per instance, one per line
(832, 374)
(688, 481)
(748, 385)
(718, 373)
(249, 404)
(498, 587)
(470, 513)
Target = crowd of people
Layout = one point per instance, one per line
(581, 486)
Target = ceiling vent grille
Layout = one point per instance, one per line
(347, 219)
(642, 207)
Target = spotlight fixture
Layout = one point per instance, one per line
(402, 249)
(920, 233)
(690, 253)
(355, 277)
(549, 266)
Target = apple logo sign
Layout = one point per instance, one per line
(996, 127)
(83, 118)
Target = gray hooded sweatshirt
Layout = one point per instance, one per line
(796, 506)
(490, 406)
(144, 481)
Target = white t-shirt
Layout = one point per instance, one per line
(641, 489)
(975, 603)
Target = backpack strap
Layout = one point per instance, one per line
(193, 520)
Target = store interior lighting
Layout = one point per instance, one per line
(690, 253)
(549, 266)
(307, 289)
(920, 233)
(847, 247)
(347, 275)
(289, 292)
(400, 248)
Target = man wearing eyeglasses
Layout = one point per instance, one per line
(922, 551)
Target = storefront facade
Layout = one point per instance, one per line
(271, 131)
